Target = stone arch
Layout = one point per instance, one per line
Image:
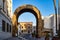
(27, 8)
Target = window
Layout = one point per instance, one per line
(29, 27)
(22, 31)
(3, 25)
(7, 27)
(28, 31)
(22, 27)
(3, 4)
(7, 12)
(10, 28)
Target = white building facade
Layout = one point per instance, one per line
(59, 14)
(33, 29)
(50, 23)
(5, 15)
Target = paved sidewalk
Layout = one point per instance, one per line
(5, 35)
(13, 38)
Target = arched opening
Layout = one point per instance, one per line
(27, 22)
(31, 9)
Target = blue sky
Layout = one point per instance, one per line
(46, 8)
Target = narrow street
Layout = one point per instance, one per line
(13, 38)
(23, 37)
(29, 37)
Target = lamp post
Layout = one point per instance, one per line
(54, 1)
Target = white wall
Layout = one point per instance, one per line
(49, 22)
(46, 22)
(33, 28)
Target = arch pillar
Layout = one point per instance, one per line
(39, 27)
(14, 25)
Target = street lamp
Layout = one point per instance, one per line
(54, 1)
